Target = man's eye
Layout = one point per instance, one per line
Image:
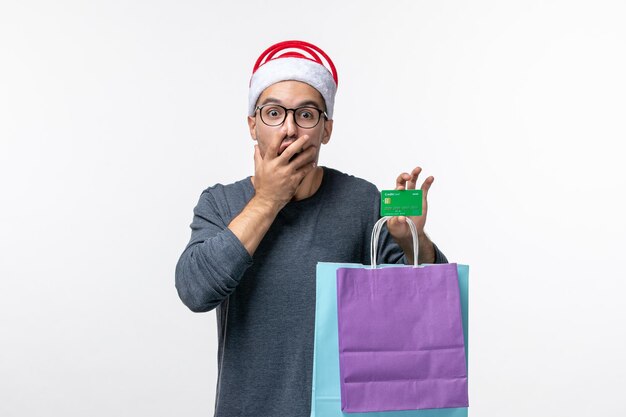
(274, 113)
(305, 114)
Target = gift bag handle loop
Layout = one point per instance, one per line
(376, 233)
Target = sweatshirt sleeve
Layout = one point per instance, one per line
(213, 262)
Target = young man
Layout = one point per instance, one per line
(255, 243)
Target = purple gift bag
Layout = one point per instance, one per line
(401, 344)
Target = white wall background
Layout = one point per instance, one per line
(115, 115)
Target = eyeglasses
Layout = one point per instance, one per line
(306, 117)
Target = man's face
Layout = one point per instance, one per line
(289, 94)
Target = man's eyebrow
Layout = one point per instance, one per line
(270, 100)
(273, 100)
(311, 103)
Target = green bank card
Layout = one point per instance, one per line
(401, 203)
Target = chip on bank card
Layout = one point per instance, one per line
(401, 203)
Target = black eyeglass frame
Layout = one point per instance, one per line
(321, 112)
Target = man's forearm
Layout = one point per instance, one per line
(251, 225)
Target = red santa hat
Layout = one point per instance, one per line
(297, 61)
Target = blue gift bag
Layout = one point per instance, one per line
(326, 389)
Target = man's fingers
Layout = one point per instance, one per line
(426, 186)
(304, 171)
(401, 181)
(413, 180)
(304, 158)
(295, 147)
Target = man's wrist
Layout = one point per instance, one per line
(266, 205)
(426, 249)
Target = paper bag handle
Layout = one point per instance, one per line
(376, 233)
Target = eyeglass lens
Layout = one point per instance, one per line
(305, 117)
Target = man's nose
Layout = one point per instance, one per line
(290, 123)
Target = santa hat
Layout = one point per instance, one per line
(297, 61)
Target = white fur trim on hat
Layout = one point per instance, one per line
(293, 69)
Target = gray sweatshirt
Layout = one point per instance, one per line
(266, 302)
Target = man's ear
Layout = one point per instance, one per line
(252, 126)
(328, 130)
